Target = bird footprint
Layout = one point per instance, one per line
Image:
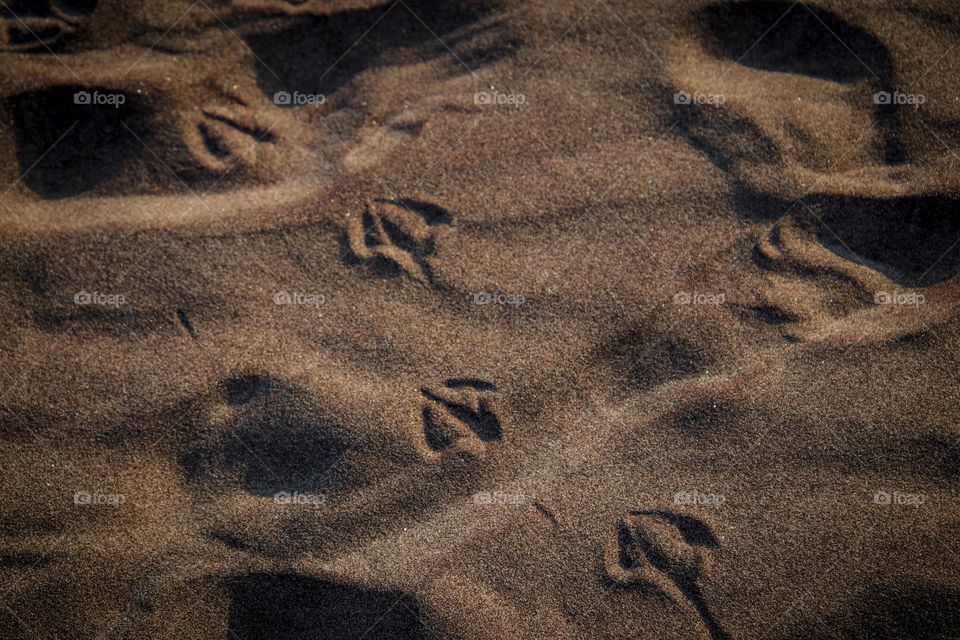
(667, 551)
(397, 235)
(460, 417)
(221, 136)
(32, 27)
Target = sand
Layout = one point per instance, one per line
(481, 320)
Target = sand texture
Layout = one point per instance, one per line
(480, 320)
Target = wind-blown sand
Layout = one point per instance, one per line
(481, 320)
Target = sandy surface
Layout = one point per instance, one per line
(482, 320)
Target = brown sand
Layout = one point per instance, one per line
(593, 319)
